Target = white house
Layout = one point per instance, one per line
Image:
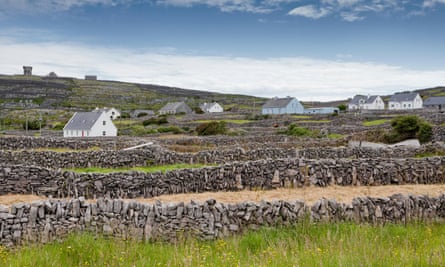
(90, 124)
(288, 105)
(361, 102)
(111, 112)
(402, 101)
(211, 107)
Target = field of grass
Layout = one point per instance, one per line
(163, 168)
(304, 244)
(375, 122)
(300, 116)
(335, 136)
(228, 121)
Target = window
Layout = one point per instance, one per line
(104, 133)
(104, 122)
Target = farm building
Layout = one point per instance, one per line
(211, 107)
(288, 105)
(90, 124)
(175, 108)
(403, 101)
(434, 102)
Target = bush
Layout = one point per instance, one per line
(342, 107)
(295, 130)
(407, 127)
(157, 121)
(142, 114)
(173, 129)
(211, 128)
(425, 132)
(34, 124)
(124, 115)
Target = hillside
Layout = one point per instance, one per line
(62, 93)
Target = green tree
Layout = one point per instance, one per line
(342, 107)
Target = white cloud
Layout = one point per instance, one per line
(353, 10)
(309, 11)
(432, 3)
(304, 78)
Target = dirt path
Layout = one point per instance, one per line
(340, 193)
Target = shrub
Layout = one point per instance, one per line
(342, 107)
(34, 124)
(173, 129)
(125, 115)
(406, 127)
(295, 130)
(142, 114)
(211, 128)
(157, 121)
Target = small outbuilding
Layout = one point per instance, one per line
(435, 102)
(90, 124)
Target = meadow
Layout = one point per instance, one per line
(303, 244)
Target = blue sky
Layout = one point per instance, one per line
(313, 50)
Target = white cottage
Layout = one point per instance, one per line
(211, 107)
(403, 101)
(90, 124)
(361, 102)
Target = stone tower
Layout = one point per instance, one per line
(27, 70)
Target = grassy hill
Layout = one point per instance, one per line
(63, 93)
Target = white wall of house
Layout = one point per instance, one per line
(403, 105)
(377, 104)
(103, 127)
(113, 113)
(215, 108)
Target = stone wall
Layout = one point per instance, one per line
(29, 143)
(45, 221)
(262, 174)
(156, 155)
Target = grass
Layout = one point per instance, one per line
(227, 121)
(375, 122)
(149, 169)
(335, 136)
(314, 121)
(300, 117)
(304, 244)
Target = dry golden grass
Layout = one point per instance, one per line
(343, 194)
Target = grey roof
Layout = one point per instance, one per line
(371, 99)
(172, 106)
(357, 98)
(403, 97)
(278, 102)
(434, 100)
(83, 120)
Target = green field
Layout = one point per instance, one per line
(375, 122)
(163, 168)
(306, 244)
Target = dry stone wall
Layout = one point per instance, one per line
(156, 155)
(262, 174)
(45, 221)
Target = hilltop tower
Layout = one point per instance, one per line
(27, 70)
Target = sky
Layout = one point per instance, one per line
(312, 50)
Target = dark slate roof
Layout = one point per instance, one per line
(371, 99)
(83, 120)
(172, 106)
(278, 102)
(357, 98)
(403, 97)
(434, 100)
